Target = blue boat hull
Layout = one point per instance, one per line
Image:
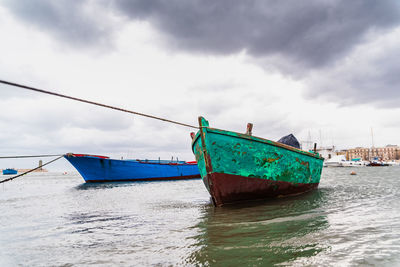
(103, 169)
(9, 171)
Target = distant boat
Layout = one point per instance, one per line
(94, 168)
(376, 162)
(240, 167)
(9, 171)
(340, 161)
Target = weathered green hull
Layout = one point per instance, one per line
(238, 167)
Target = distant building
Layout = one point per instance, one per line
(327, 152)
(389, 152)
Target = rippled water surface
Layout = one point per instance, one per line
(52, 219)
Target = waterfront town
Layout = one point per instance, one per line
(389, 153)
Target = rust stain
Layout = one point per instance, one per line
(208, 163)
(269, 160)
(306, 164)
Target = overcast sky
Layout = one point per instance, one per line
(324, 68)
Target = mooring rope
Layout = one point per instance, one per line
(19, 175)
(30, 156)
(95, 103)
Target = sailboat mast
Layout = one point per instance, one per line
(372, 136)
(372, 139)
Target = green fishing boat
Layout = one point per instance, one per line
(240, 167)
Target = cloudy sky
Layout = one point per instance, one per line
(328, 69)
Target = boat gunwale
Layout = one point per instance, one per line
(255, 138)
(136, 161)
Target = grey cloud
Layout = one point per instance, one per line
(365, 78)
(309, 33)
(72, 22)
(295, 37)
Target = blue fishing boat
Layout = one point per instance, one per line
(94, 168)
(9, 171)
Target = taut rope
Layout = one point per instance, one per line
(30, 156)
(95, 103)
(19, 175)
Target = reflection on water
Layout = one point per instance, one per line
(261, 233)
(95, 186)
(104, 185)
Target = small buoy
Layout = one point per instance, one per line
(353, 173)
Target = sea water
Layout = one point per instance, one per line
(52, 219)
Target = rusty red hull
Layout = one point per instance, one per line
(227, 188)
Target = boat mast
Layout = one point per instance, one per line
(307, 144)
(320, 138)
(372, 140)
